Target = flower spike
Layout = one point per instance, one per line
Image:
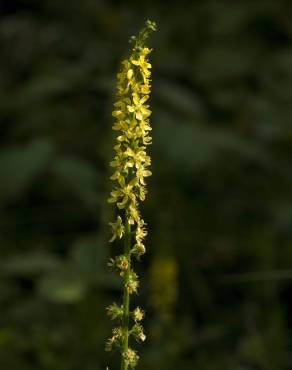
(130, 163)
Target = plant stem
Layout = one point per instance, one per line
(126, 299)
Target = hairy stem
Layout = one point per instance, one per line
(126, 299)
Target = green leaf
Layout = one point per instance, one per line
(192, 147)
(79, 178)
(220, 63)
(88, 255)
(63, 287)
(20, 166)
(179, 98)
(32, 263)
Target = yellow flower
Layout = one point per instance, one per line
(134, 214)
(130, 73)
(125, 192)
(118, 229)
(138, 250)
(138, 107)
(141, 232)
(138, 333)
(117, 334)
(142, 193)
(138, 314)
(114, 311)
(141, 173)
(131, 357)
(143, 63)
(133, 283)
(122, 262)
(143, 128)
(145, 89)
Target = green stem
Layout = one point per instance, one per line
(126, 299)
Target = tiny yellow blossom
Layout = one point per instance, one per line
(138, 314)
(114, 311)
(143, 64)
(138, 107)
(117, 335)
(138, 333)
(138, 250)
(122, 262)
(131, 357)
(118, 229)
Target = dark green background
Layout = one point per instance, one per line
(216, 282)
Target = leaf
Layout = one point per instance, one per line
(63, 287)
(20, 166)
(88, 259)
(88, 255)
(84, 268)
(191, 148)
(178, 98)
(32, 263)
(220, 63)
(39, 89)
(77, 177)
(276, 77)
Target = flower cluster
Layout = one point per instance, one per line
(130, 164)
(131, 160)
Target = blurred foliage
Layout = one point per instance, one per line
(216, 280)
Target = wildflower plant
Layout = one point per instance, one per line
(130, 164)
